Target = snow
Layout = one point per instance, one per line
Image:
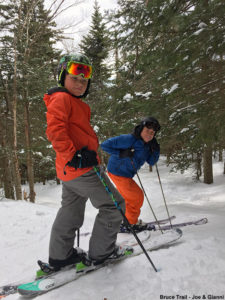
(171, 90)
(198, 31)
(38, 154)
(128, 97)
(184, 130)
(193, 266)
(96, 128)
(146, 95)
(202, 25)
(217, 57)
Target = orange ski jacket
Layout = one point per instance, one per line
(68, 129)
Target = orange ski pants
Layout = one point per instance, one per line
(132, 194)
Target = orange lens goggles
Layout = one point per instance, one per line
(76, 69)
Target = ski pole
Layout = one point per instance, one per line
(123, 215)
(157, 170)
(146, 196)
(78, 237)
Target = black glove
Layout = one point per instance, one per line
(127, 153)
(84, 158)
(154, 146)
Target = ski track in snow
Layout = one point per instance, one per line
(195, 265)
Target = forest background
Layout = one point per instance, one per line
(151, 58)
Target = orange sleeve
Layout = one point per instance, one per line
(58, 112)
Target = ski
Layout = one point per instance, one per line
(11, 288)
(152, 227)
(129, 240)
(161, 221)
(149, 224)
(178, 225)
(54, 280)
(123, 239)
(8, 290)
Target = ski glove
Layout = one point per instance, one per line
(84, 158)
(154, 146)
(127, 153)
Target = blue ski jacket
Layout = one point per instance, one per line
(124, 166)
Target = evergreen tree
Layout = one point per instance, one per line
(96, 45)
(179, 69)
(130, 42)
(192, 84)
(30, 61)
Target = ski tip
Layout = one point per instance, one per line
(176, 230)
(179, 231)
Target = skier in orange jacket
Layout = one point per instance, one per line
(76, 144)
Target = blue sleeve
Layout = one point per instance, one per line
(153, 158)
(115, 144)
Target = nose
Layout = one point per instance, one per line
(80, 83)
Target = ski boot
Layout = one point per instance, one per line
(138, 227)
(57, 265)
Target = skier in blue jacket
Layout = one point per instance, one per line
(128, 152)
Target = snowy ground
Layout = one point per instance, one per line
(193, 267)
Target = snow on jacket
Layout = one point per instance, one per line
(68, 129)
(123, 166)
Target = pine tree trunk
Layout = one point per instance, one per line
(208, 170)
(7, 176)
(116, 55)
(17, 177)
(220, 154)
(30, 169)
(136, 61)
(198, 166)
(7, 179)
(208, 154)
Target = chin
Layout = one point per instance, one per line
(77, 94)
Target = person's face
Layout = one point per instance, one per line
(147, 134)
(76, 85)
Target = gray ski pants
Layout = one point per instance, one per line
(71, 215)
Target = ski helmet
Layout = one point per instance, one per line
(151, 122)
(148, 122)
(73, 58)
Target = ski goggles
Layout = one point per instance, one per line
(152, 125)
(75, 68)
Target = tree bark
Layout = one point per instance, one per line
(30, 169)
(220, 154)
(198, 166)
(208, 170)
(7, 179)
(17, 176)
(7, 175)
